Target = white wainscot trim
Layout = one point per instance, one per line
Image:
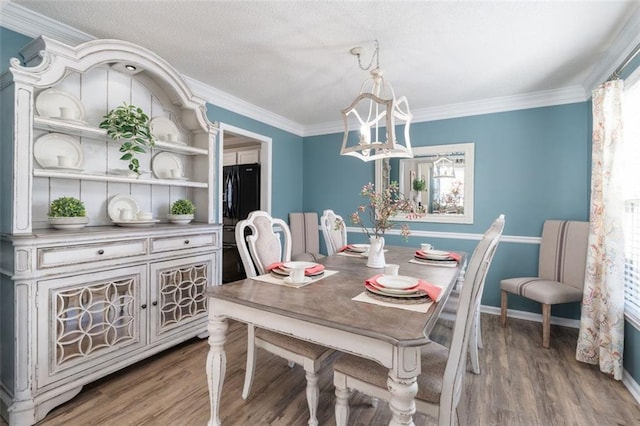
(631, 385)
(454, 235)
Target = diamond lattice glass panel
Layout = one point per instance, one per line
(93, 317)
(182, 293)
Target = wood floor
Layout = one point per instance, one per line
(521, 384)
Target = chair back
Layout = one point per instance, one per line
(563, 252)
(262, 246)
(453, 381)
(334, 238)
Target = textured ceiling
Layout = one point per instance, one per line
(292, 58)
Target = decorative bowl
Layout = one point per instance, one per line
(68, 222)
(180, 219)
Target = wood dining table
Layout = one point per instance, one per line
(324, 313)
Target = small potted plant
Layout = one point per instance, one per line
(67, 213)
(130, 123)
(181, 212)
(419, 185)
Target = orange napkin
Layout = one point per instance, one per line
(274, 266)
(433, 291)
(452, 255)
(314, 269)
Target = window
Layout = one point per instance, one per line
(631, 194)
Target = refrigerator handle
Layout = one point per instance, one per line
(236, 199)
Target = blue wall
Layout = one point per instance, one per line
(10, 44)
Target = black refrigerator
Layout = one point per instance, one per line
(240, 196)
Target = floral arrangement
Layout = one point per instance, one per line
(381, 207)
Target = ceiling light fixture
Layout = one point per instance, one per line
(373, 110)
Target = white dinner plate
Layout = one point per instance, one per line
(121, 201)
(299, 264)
(416, 295)
(397, 281)
(49, 146)
(394, 291)
(161, 127)
(436, 255)
(49, 102)
(360, 248)
(163, 163)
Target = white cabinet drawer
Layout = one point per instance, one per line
(182, 242)
(68, 255)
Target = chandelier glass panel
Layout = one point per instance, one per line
(371, 119)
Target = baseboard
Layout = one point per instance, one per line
(631, 385)
(529, 316)
(629, 382)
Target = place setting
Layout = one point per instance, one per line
(399, 291)
(294, 273)
(354, 250)
(427, 255)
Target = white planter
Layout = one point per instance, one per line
(68, 222)
(180, 219)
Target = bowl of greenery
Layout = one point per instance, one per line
(67, 213)
(181, 212)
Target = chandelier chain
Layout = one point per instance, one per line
(376, 56)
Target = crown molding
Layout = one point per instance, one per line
(32, 24)
(566, 95)
(225, 100)
(627, 39)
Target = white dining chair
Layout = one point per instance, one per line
(449, 315)
(258, 249)
(441, 382)
(334, 231)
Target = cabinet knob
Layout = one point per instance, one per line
(144, 306)
(186, 241)
(100, 251)
(154, 303)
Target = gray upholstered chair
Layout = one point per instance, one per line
(441, 382)
(259, 249)
(305, 238)
(334, 238)
(561, 269)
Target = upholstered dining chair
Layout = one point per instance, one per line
(441, 382)
(334, 238)
(449, 314)
(561, 268)
(260, 248)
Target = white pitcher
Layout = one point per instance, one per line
(376, 252)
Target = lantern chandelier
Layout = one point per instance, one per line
(374, 110)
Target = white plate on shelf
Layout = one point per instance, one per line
(122, 201)
(136, 223)
(49, 146)
(49, 102)
(161, 127)
(163, 163)
(400, 282)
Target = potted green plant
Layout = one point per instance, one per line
(130, 123)
(67, 213)
(181, 212)
(419, 185)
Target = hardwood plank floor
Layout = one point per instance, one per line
(521, 384)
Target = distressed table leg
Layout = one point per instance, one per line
(402, 403)
(216, 365)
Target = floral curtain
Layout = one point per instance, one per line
(601, 338)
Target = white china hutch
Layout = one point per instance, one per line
(76, 305)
